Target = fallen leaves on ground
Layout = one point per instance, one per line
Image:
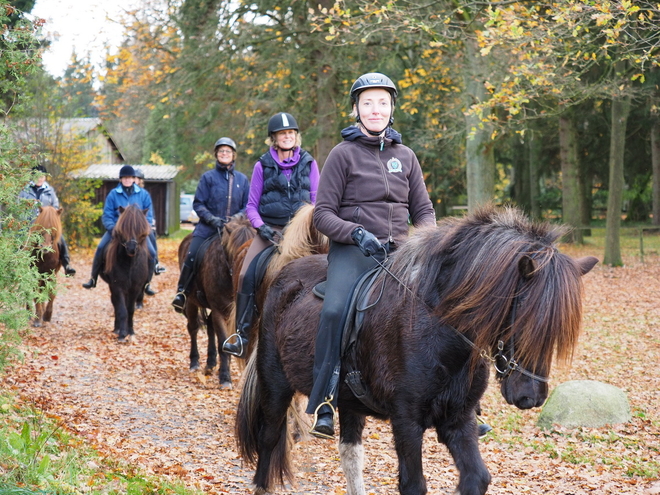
(140, 403)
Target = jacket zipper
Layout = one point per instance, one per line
(387, 194)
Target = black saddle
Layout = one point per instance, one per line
(353, 319)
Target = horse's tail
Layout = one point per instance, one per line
(249, 422)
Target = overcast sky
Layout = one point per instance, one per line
(85, 26)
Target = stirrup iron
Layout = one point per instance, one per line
(312, 430)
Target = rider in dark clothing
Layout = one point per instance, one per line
(370, 186)
(221, 193)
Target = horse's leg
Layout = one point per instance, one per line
(212, 345)
(130, 309)
(351, 450)
(193, 327)
(121, 314)
(408, 437)
(48, 314)
(38, 311)
(463, 444)
(224, 372)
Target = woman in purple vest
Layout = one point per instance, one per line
(284, 178)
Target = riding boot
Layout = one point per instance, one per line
(324, 426)
(97, 264)
(64, 258)
(244, 316)
(185, 278)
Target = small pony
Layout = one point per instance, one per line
(46, 257)
(487, 288)
(126, 262)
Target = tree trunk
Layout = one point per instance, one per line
(325, 112)
(535, 150)
(479, 153)
(620, 111)
(571, 192)
(655, 161)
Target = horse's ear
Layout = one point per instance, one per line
(59, 211)
(121, 210)
(145, 211)
(526, 266)
(586, 264)
(41, 208)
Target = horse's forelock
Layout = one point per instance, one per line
(132, 224)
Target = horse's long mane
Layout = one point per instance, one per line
(48, 222)
(299, 238)
(132, 224)
(469, 271)
(237, 232)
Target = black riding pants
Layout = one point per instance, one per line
(345, 265)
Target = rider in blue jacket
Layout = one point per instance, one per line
(126, 193)
(221, 193)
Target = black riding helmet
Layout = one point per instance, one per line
(139, 174)
(373, 80)
(281, 122)
(224, 141)
(127, 171)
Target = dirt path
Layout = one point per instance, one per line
(140, 403)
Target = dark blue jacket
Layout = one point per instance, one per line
(213, 194)
(118, 197)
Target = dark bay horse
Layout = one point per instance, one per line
(46, 257)
(212, 288)
(126, 267)
(489, 287)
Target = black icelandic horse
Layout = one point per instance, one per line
(489, 287)
(126, 267)
(212, 288)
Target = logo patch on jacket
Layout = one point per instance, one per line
(394, 165)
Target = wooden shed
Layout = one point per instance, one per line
(158, 180)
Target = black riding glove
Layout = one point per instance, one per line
(216, 222)
(266, 233)
(366, 241)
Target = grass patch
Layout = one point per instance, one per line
(38, 456)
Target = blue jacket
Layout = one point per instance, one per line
(212, 195)
(117, 197)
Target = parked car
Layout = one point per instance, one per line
(193, 218)
(185, 207)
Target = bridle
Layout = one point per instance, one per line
(503, 365)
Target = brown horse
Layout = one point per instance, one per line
(488, 288)
(46, 257)
(126, 262)
(212, 288)
(299, 239)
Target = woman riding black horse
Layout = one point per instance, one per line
(221, 193)
(371, 184)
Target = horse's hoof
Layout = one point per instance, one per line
(138, 305)
(208, 371)
(226, 386)
(36, 324)
(194, 368)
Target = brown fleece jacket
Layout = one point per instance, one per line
(378, 190)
